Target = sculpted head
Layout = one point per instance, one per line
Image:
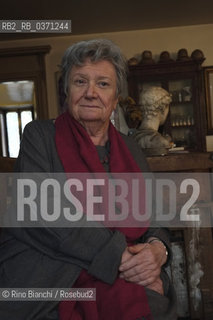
(154, 103)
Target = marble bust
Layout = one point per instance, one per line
(154, 104)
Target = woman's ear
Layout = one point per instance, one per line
(116, 103)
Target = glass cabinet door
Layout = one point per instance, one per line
(186, 121)
(180, 124)
(181, 115)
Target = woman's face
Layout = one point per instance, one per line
(92, 91)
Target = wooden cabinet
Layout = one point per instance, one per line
(186, 122)
(191, 270)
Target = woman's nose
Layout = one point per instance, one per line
(91, 91)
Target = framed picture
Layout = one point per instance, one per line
(208, 77)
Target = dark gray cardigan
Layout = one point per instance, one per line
(54, 257)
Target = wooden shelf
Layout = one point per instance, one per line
(192, 161)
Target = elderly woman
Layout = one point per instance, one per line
(154, 104)
(129, 279)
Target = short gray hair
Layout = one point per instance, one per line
(96, 50)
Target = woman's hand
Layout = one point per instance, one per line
(142, 263)
(157, 286)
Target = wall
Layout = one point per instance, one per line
(131, 43)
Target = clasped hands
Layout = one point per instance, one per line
(141, 264)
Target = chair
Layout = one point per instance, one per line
(7, 164)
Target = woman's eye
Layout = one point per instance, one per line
(103, 84)
(79, 82)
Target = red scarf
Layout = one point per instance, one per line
(122, 300)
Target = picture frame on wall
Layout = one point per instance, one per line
(208, 78)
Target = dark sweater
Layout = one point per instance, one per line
(54, 257)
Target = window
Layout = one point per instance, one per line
(16, 110)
